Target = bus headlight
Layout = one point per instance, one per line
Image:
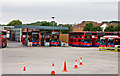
(106, 47)
(100, 47)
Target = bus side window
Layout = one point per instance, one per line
(71, 40)
(75, 39)
(47, 40)
(79, 40)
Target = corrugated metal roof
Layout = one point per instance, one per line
(41, 27)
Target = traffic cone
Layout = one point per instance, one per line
(65, 67)
(53, 72)
(30, 44)
(75, 64)
(81, 61)
(24, 69)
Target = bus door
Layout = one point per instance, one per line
(42, 39)
(47, 39)
(94, 38)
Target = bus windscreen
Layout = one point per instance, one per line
(102, 41)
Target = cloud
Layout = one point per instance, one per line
(64, 12)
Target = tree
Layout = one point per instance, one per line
(66, 31)
(96, 28)
(117, 28)
(114, 22)
(14, 22)
(88, 27)
(105, 22)
(60, 25)
(43, 23)
(109, 28)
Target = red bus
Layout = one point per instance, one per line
(50, 38)
(80, 38)
(3, 39)
(96, 37)
(33, 38)
(109, 43)
(112, 33)
(75, 38)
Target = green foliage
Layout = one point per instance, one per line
(66, 31)
(117, 28)
(105, 22)
(109, 28)
(60, 25)
(88, 27)
(114, 22)
(43, 23)
(14, 22)
(87, 21)
(96, 28)
(111, 22)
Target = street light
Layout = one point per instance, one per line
(53, 20)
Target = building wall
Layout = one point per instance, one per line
(64, 38)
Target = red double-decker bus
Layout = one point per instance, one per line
(50, 38)
(112, 34)
(33, 38)
(110, 43)
(80, 38)
(3, 39)
(96, 38)
(75, 38)
(24, 37)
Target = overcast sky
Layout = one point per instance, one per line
(74, 11)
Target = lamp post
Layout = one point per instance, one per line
(53, 20)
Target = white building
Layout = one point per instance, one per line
(103, 26)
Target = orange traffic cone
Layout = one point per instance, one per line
(53, 72)
(81, 61)
(65, 67)
(30, 44)
(24, 69)
(75, 64)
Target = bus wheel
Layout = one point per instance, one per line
(118, 50)
(3, 46)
